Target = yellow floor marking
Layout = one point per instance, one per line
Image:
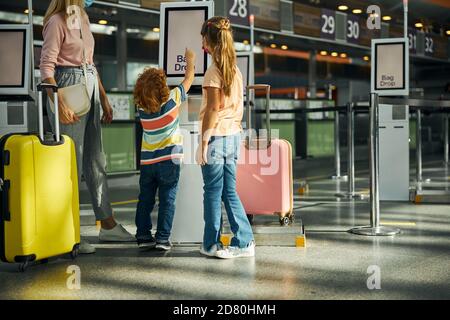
(300, 241)
(418, 199)
(397, 223)
(124, 202)
(225, 239)
(303, 190)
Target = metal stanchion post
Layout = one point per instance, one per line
(350, 155)
(375, 229)
(337, 154)
(419, 146)
(446, 139)
(351, 152)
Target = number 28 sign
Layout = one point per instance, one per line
(238, 11)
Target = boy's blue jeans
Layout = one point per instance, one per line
(219, 177)
(162, 177)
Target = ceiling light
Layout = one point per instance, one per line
(357, 11)
(102, 22)
(419, 25)
(273, 45)
(343, 55)
(447, 32)
(323, 53)
(334, 54)
(284, 47)
(245, 42)
(387, 18)
(366, 58)
(343, 7)
(155, 29)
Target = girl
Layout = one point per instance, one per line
(220, 119)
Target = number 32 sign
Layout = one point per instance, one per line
(238, 11)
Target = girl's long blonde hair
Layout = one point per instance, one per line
(57, 6)
(219, 36)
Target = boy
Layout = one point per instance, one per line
(162, 149)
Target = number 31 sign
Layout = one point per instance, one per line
(238, 11)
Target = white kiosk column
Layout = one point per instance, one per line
(180, 26)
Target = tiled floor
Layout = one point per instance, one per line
(334, 265)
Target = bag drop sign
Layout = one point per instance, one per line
(390, 73)
(390, 67)
(183, 31)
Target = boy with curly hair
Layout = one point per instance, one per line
(161, 152)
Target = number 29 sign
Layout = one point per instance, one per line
(328, 24)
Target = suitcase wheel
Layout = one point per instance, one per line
(75, 252)
(285, 221)
(292, 218)
(24, 266)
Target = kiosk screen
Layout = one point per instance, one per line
(183, 27)
(12, 58)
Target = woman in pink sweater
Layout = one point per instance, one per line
(62, 64)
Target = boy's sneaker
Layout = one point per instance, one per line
(236, 252)
(163, 245)
(211, 252)
(146, 244)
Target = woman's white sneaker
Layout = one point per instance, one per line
(212, 251)
(86, 247)
(236, 252)
(116, 234)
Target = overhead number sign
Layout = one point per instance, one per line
(238, 11)
(328, 24)
(353, 29)
(429, 45)
(412, 39)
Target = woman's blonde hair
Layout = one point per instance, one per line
(219, 36)
(57, 6)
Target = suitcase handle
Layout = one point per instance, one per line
(54, 88)
(266, 88)
(4, 188)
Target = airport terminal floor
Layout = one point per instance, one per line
(243, 152)
(334, 264)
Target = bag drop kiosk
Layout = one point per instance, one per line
(389, 131)
(17, 113)
(245, 63)
(180, 26)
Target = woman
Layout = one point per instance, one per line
(220, 118)
(61, 63)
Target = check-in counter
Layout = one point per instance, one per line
(119, 137)
(311, 134)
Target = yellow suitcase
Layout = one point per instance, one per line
(39, 196)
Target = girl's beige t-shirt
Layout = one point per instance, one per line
(232, 108)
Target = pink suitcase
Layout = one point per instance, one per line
(264, 172)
